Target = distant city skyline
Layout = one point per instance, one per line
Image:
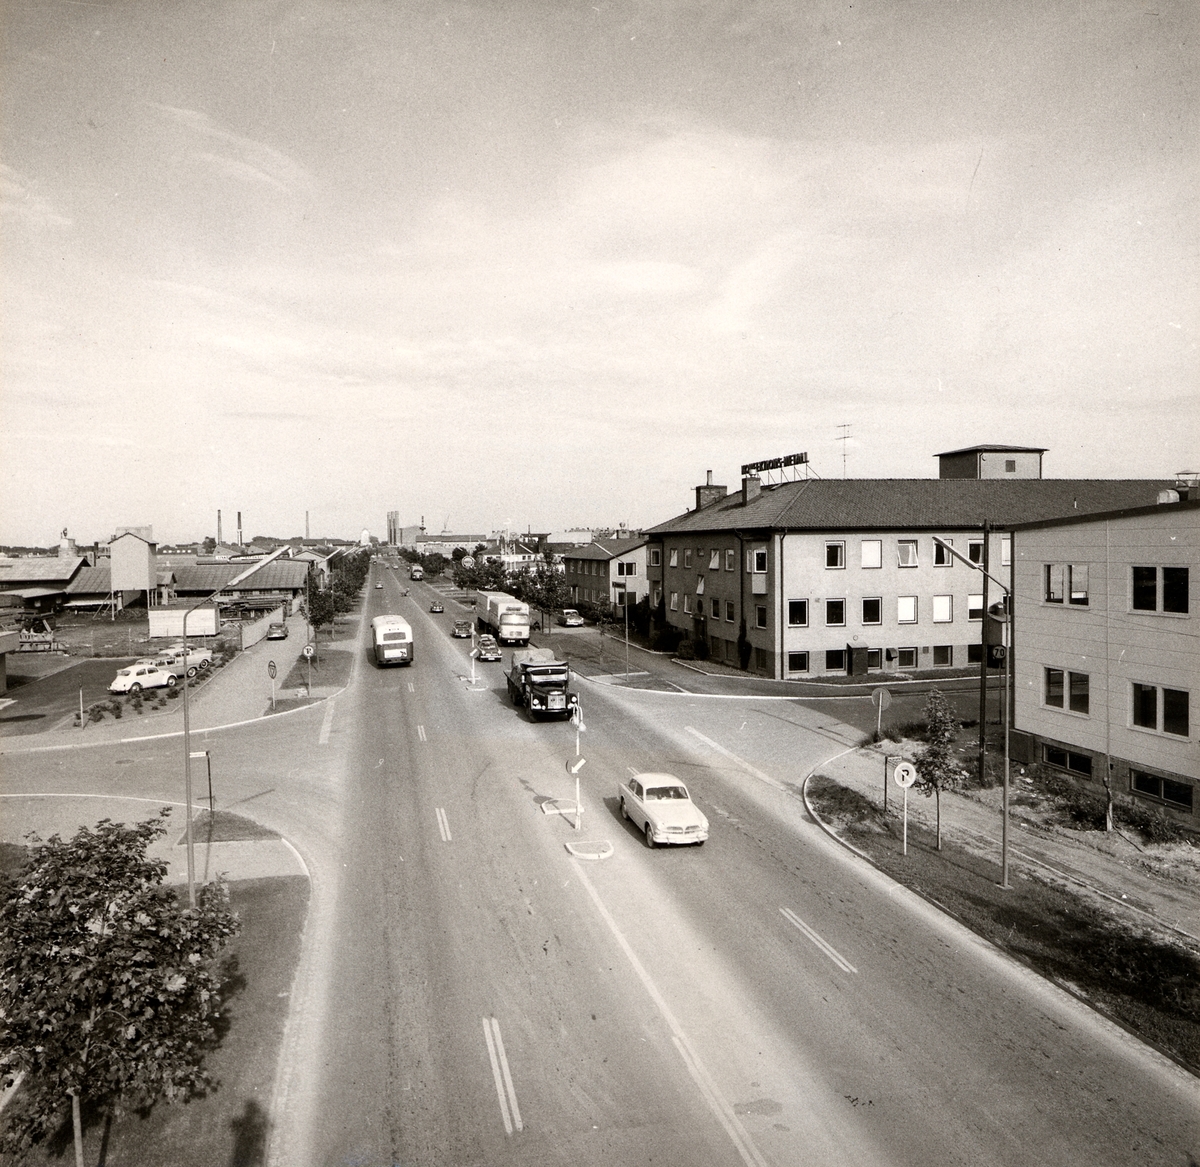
(544, 266)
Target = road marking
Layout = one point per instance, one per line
(443, 823)
(327, 724)
(421, 733)
(739, 761)
(720, 1107)
(410, 687)
(509, 1110)
(823, 945)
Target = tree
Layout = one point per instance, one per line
(434, 564)
(936, 767)
(107, 990)
(321, 607)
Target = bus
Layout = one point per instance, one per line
(392, 640)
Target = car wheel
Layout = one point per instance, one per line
(171, 681)
(193, 671)
(649, 836)
(204, 664)
(624, 810)
(700, 842)
(135, 688)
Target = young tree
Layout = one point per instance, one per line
(106, 985)
(936, 768)
(321, 607)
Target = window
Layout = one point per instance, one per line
(631, 569)
(1077, 695)
(835, 658)
(687, 603)
(730, 559)
(716, 609)
(758, 562)
(906, 609)
(760, 616)
(1010, 465)
(1053, 694)
(798, 613)
(656, 557)
(657, 597)
(943, 654)
(906, 552)
(872, 610)
(687, 557)
(942, 557)
(835, 613)
(835, 554)
(1175, 712)
(797, 662)
(943, 609)
(674, 601)
(974, 654)
(674, 561)
(1066, 581)
(1145, 706)
(730, 611)
(700, 586)
(1005, 550)
(975, 607)
(1174, 590)
(1053, 592)
(1077, 584)
(975, 550)
(874, 658)
(1166, 790)
(906, 658)
(872, 553)
(760, 659)
(1067, 760)
(714, 561)
(1149, 700)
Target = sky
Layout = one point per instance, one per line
(543, 265)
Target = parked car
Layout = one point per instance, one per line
(195, 656)
(488, 648)
(142, 676)
(660, 806)
(462, 629)
(379, 587)
(177, 663)
(569, 618)
(436, 606)
(277, 630)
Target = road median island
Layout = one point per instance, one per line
(1143, 976)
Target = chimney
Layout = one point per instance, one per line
(219, 539)
(751, 488)
(239, 528)
(707, 494)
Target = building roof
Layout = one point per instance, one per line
(283, 574)
(91, 581)
(1106, 516)
(605, 549)
(39, 569)
(993, 450)
(907, 504)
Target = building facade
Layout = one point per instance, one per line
(608, 571)
(1107, 656)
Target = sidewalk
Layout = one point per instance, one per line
(1105, 867)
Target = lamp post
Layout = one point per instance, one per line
(187, 723)
(1007, 603)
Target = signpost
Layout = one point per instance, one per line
(308, 655)
(905, 775)
(579, 763)
(881, 699)
(271, 671)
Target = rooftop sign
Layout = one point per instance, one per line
(775, 463)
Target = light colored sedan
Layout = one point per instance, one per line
(661, 808)
(141, 676)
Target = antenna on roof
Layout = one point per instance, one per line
(845, 428)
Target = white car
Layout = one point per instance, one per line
(661, 808)
(142, 676)
(569, 618)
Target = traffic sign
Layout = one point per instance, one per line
(468, 561)
(308, 650)
(272, 671)
(881, 698)
(905, 775)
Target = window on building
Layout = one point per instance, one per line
(906, 609)
(798, 613)
(1145, 706)
(835, 658)
(714, 561)
(715, 609)
(874, 658)
(1066, 582)
(730, 611)
(700, 586)
(872, 610)
(1053, 592)
(906, 552)
(674, 560)
(975, 607)
(872, 553)
(942, 557)
(1168, 790)
(760, 659)
(835, 554)
(975, 550)
(656, 598)
(1175, 712)
(759, 561)
(835, 613)
(674, 601)
(687, 603)
(1067, 760)
(1010, 465)
(797, 662)
(656, 557)
(943, 654)
(906, 658)
(760, 616)
(974, 654)
(730, 559)
(943, 609)
(1053, 692)
(1077, 584)
(687, 557)
(1150, 702)
(1005, 550)
(1078, 692)
(631, 569)
(1175, 589)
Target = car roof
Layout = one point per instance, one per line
(655, 779)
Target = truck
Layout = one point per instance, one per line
(537, 681)
(504, 616)
(416, 572)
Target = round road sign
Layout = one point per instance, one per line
(271, 669)
(905, 775)
(308, 650)
(881, 698)
(468, 561)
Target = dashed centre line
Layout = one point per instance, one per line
(509, 1110)
(823, 945)
(443, 823)
(421, 733)
(411, 687)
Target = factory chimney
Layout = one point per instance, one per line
(219, 540)
(239, 528)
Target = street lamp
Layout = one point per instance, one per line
(187, 723)
(1007, 702)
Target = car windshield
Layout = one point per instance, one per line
(662, 793)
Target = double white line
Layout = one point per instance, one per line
(509, 1110)
(823, 945)
(443, 823)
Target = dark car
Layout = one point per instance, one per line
(277, 630)
(462, 629)
(436, 606)
(488, 648)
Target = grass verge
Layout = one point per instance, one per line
(1146, 981)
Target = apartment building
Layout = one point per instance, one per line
(1108, 656)
(611, 571)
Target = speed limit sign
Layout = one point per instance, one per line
(905, 775)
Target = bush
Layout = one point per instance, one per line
(666, 639)
(1152, 825)
(686, 650)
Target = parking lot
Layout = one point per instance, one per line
(36, 703)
